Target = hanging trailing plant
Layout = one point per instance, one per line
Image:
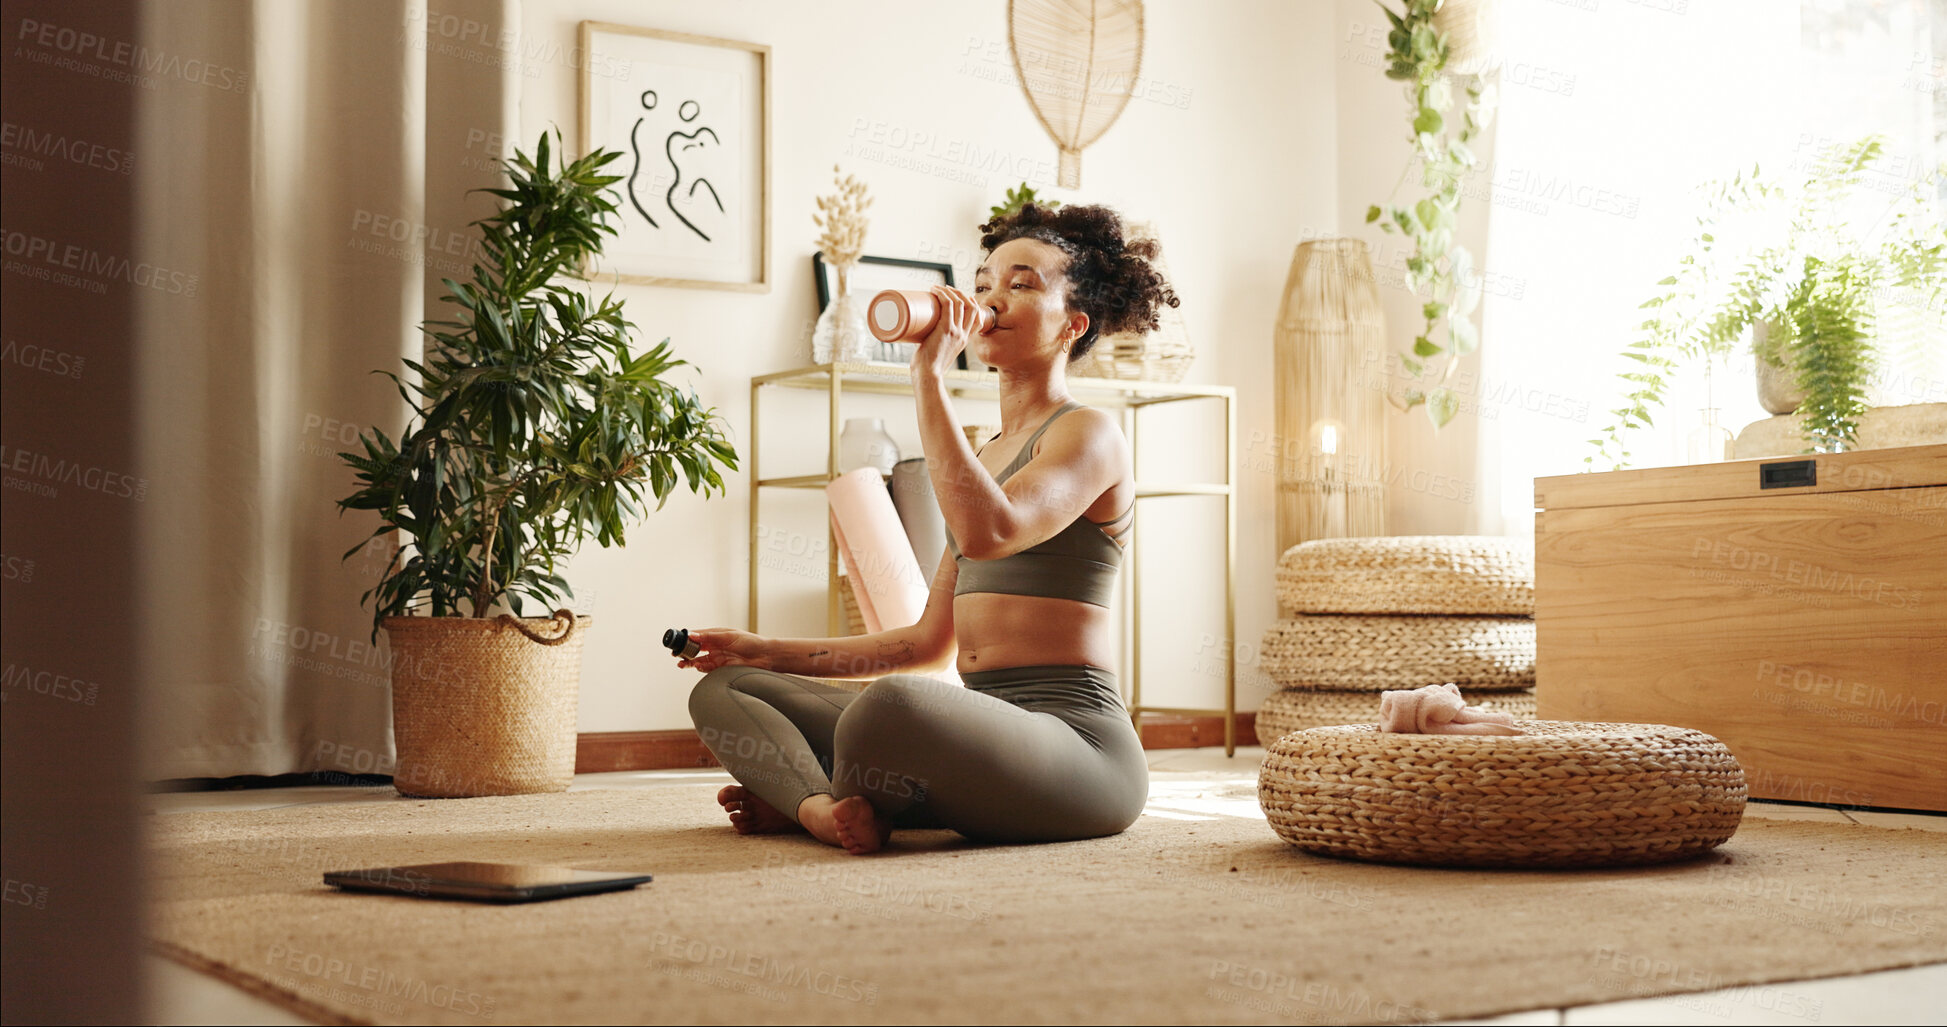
(1439, 271)
(1801, 266)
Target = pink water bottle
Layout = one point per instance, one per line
(908, 315)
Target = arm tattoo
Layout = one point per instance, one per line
(897, 653)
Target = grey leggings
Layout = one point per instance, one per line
(1025, 754)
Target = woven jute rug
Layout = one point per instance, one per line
(1176, 920)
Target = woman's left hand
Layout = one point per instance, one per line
(959, 320)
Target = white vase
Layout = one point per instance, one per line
(841, 334)
(864, 443)
(1710, 442)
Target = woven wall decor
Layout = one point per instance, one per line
(1330, 446)
(1335, 652)
(1444, 574)
(1164, 355)
(1288, 710)
(1563, 794)
(1078, 61)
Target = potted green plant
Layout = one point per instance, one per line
(1801, 279)
(1438, 269)
(1016, 198)
(535, 426)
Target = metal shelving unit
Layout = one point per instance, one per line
(1129, 397)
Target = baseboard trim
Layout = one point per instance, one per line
(1185, 731)
(599, 752)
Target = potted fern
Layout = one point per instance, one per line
(535, 427)
(1800, 280)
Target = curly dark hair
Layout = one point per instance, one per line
(1109, 278)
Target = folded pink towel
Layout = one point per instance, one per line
(1439, 710)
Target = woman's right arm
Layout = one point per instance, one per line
(927, 646)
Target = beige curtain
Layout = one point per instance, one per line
(306, 189)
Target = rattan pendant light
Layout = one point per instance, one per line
(1078, 61)
(1330, 448)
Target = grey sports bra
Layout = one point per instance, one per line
(1078, 562)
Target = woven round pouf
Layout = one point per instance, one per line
(1448, 574)
(1291, 710)
(1563, 794)
(1372, 653)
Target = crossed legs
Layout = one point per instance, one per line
(908, 751)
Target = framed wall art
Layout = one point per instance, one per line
(691, 116)
(873, 274)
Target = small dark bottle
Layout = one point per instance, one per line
(678, 642)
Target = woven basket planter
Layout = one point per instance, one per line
(1370, 654)
(1565, 794)
(1438, 574)
(485, 706)
(1288, 710)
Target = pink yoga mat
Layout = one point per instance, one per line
(873, 544)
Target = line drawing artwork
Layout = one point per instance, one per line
(690, 117)
(690, 159)
(635, 148)
(694, 149)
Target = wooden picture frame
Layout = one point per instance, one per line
(691, 116)
(874, 274)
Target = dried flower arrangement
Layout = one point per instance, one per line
(842, 218)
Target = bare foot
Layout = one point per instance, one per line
(752, 815)
(849, 823)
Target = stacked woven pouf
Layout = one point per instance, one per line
(1358, 616)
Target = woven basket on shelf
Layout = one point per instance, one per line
(1164, 355)
(485, 706)
(1444, 574)
(1288, 710)
(1336, 652)
(1563, 794)
(848, 602)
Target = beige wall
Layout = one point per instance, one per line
(1230, 154)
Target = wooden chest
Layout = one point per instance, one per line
(1794, 607)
